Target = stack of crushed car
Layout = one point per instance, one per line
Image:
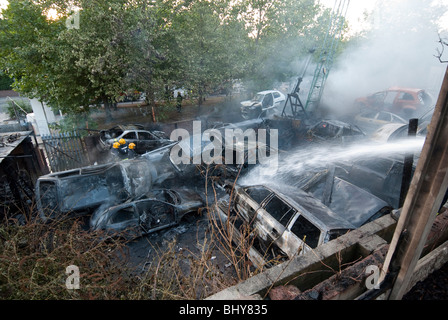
(146, 194)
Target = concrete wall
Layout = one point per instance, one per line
(43, 115)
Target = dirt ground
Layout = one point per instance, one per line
(434, 287)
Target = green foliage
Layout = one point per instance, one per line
(74, 122)
(18, 107)
(5, 82)
(148, 45)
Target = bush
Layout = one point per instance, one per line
(5, 82)
(34, 258)
(21, 106)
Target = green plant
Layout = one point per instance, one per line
(18, 108)
(78, 123)
(5, 82)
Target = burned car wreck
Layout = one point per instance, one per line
(288, 221)
(334, 131)
(79, 191)
(405, 102)
(144, 140)
(264, 103)
(157, 210)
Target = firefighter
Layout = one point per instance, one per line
(115, 150)
(119, 149)
(179, 101)
(123, 148)
(131, 151)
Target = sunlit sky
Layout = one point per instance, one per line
(355, 12)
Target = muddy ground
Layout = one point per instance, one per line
(190, 236)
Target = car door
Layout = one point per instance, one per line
(268, 101)
(376, 101)
(390, 101)
(146, 142)
(277, 99)
(130, 136)
(123, 218)
(383, 118)
(302, 235)
(366, 119)
(272, 220)
(250, 202)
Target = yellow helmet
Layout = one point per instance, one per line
(122, 141)
(131, 145)
(116, 145)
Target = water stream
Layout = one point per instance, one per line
(300, 161)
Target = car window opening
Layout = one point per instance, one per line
(306, 231)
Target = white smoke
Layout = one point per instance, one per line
(399, 50)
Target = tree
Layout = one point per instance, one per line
(282, 32)
(209, 43)
(25, 56)
(72, 69)
(150, 45)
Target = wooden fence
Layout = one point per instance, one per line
(65, 151)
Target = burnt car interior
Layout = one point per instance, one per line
(155, 213)
(328, 129)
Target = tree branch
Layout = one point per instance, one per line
(440, 52)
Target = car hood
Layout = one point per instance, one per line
(249, 103)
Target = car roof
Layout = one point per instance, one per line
(311, 208)
(414, 90)
(267, 91)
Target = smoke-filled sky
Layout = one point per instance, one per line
(399, 50)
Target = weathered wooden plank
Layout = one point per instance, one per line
(423, 200)
(428, 264)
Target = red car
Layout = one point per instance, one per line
(406, 102)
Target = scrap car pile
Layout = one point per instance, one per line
(286, 215)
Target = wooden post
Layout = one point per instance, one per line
(408, 163)
(423, 200)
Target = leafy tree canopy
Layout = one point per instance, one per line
(152, 45)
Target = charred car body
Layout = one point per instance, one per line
(405, 102)
(334, 131)
(159, 209)
(288, 221)
(79, 191)
(371, 120)
(144, 140)
(390, 132)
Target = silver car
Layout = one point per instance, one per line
(288, 221)
(80, 191)
(144, 140)
(159, 209)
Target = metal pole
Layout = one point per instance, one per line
(408, 163)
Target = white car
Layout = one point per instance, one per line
(262, 104)
(371, 120)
